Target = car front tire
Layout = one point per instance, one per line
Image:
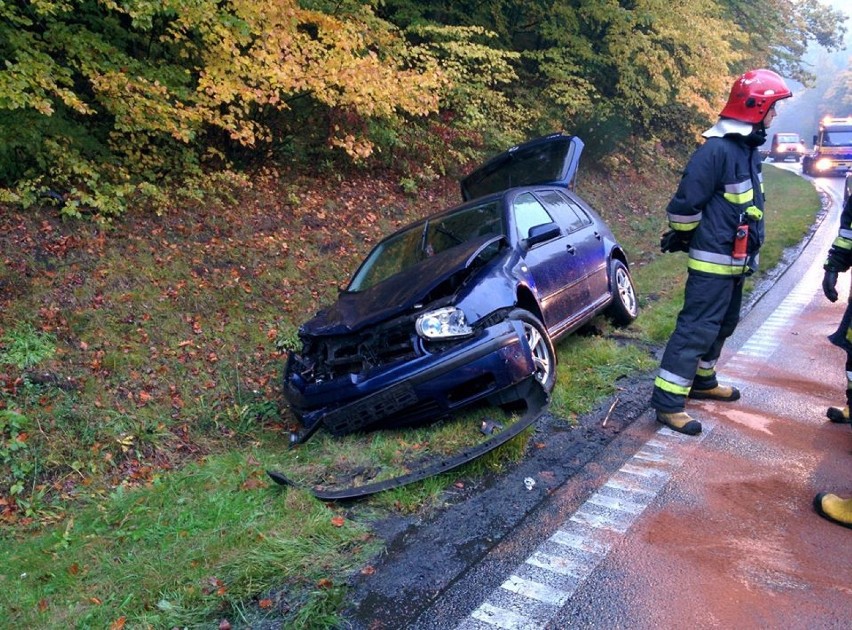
(624, 307)
(544, 356)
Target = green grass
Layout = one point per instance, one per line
(790, 211)
(132, 487)
(589, 369)
(24, 346)
(179, 551)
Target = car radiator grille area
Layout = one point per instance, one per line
(354, 354)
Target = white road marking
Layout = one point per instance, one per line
(540, 586)
(535, 590)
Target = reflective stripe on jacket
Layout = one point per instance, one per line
(721, 189)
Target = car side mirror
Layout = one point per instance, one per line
(541, 233)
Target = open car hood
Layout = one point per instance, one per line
(550, 159)
(355, 310)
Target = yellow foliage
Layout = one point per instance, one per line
(220, 64)
(276, 51)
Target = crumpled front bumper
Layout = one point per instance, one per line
(420, 390)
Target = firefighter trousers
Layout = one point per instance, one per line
(710, 314)
(849, 379)
(842, 338)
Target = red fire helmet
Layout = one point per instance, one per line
(753, 94)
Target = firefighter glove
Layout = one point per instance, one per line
(837, 260)
(829, 281)
(675, 241)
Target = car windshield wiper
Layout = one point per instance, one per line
(447, 232)
(423, 244)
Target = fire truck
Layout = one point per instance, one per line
(832, 152)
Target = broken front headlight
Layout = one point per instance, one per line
(443, 323)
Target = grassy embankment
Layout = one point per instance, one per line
(138, 409)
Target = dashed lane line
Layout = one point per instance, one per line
(768, 337)
(541, 585)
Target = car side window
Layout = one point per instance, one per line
(568, 213)
(528, 213)
(584, 217)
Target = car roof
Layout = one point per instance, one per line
(551, 159)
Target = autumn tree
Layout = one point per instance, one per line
(104, 100)
(838, 97)
(101, 100)
(778, 33)
(605, 68)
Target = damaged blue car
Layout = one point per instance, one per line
(466, 304)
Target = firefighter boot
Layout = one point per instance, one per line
(725, 393)
(841, 416)
(834, 508)
(679, 421)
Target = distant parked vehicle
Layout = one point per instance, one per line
(832, 152)
(786, 146)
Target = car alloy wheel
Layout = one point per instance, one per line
(543, 353)
(625, 307)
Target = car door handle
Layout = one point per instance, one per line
(598, 235)
(571, 249)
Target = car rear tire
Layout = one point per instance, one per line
(543, 353)
(624, 307)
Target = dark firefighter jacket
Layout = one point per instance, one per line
(840, 254)
(839, 260)
(720, 190)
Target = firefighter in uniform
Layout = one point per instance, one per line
(831, 506)
(839, 260)
(716, 215)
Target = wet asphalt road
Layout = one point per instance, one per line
(632, 526)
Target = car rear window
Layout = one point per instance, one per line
(527, 167)
(788, 137)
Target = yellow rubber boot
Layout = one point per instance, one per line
(680, 421)
(834, 508)
(725, 393)
(841, 416)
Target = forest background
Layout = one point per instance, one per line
(107, 105)
(183, 182)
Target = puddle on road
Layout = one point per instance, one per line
(756, 421)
